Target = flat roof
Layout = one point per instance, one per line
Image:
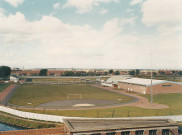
(115, 79)
(142, 81)
(86, 125)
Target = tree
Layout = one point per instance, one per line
(132, 72)
(162, 72)
(91, 73)
(105, 73)
(43, 72)
(80, 73)
(180, 72)
(5, 71)
(110, 71)
(117, 72)
(69, 73)
(173, 71)
(137, 72)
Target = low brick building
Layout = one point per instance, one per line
(36, 72)
(143, 86)
(120, 127)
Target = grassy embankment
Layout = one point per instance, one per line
(10, 119)
(3, 86)
(33, 95)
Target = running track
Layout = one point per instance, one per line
(138, 101)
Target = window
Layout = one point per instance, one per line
(165, 132)
(125, 133)
(111, 133)
(166, 85)
(139, 132)
(52, 74)
(96, 134)
(152, 132)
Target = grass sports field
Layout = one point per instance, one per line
(172, 100)
(36, 94)
(3, 86)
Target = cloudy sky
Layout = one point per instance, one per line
(91, 33)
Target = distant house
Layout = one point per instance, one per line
(14, 79)
(143, 86)
(36, 72)
(120, 127)
(113, 81)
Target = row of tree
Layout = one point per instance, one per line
(111, 71)
(5, 71)
(43, 72)
(134, 72)
(83, 73)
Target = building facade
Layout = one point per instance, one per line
(143, 86)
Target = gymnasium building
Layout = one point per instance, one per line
(143, 86)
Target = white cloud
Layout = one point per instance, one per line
(129, 21)
(83, 6)
(104, 11)
(15, 3)
(49, 42)
(2, 11)
(56, 5)
(164, 14)
(129, 10)
(112, 27)
(134, 2)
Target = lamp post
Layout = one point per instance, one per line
(151, 91)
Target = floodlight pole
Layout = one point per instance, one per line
(151, 92)
(151, 88)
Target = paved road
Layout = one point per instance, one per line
(7, 93)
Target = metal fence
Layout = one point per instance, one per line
(55, 118)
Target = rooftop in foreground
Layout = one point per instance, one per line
(98, 124)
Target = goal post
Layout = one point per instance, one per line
(74, 96)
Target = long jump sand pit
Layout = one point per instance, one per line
(78, 103)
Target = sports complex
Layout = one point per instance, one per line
(85, 97)
(77, 102)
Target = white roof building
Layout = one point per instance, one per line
(141, 81)
(14, 79)
(114, 80)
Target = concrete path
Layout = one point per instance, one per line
(6, 94)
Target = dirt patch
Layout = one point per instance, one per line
(70, 103)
